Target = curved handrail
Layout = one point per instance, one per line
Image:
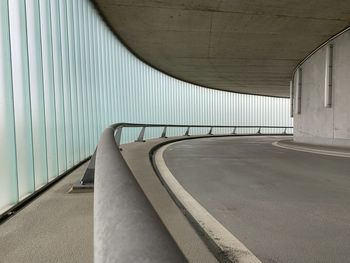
(119, 126)
(126, 227)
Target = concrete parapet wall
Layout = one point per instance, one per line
(317, 123)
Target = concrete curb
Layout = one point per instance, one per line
(311, 149)
(224, 244)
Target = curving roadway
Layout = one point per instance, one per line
(284, 205)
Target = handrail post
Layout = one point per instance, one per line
(187, 133)
(164, 132)
(259, 131)
(89, 175)
(141, 135)
(285, 130)
(118, 135)
(234, 131)
(210, 131)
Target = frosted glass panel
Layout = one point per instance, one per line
(21, 97)
(8, 168)
(49, 89)
(73, 82)
(37, 92)
(79, 69)
(58, 79)
(64, 77)
(66, 82)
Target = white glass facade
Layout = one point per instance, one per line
(64, 77)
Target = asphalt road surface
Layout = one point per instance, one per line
(284, 205)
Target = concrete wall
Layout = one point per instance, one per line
(316, 123)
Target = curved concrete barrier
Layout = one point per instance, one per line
(223, 243)
(126, 227)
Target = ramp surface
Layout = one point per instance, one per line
(284, 205)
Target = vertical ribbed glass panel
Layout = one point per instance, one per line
(64, 77)
(92, 88)
(73, 82)
(84, 82)
(58, 80)
(79, 69)
(89, 85)
(37, 92)
(8, 166)
(49, 89)
(21, 96)
(66, 82)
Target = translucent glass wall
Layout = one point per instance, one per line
(64, 77)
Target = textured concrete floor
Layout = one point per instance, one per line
(284, 205)
(55, 227)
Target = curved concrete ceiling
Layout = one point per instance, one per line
(248, 46)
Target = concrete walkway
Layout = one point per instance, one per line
(284, 205)
(55, 227)
(190, 243)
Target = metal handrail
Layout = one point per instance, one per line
(126, 226)
(119, 126)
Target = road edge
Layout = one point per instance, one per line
(284, 145)
(225, 246)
